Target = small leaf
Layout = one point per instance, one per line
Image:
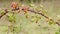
(51, 22)
(33, 19)
(37, 16)
(11, 17)
(2, 12)
(31, 5)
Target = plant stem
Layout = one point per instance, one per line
(4, 13)
(35, 13)
(44, 16)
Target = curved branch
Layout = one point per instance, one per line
(33, 12)
(44, 16)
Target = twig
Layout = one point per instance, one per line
(4, 13)
(44, 16)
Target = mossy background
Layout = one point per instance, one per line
(25, 26)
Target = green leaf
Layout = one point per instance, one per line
(51, 22)
(2, 12)
(33, 19)
(11, 17)
(37, 16)
(31, 5)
